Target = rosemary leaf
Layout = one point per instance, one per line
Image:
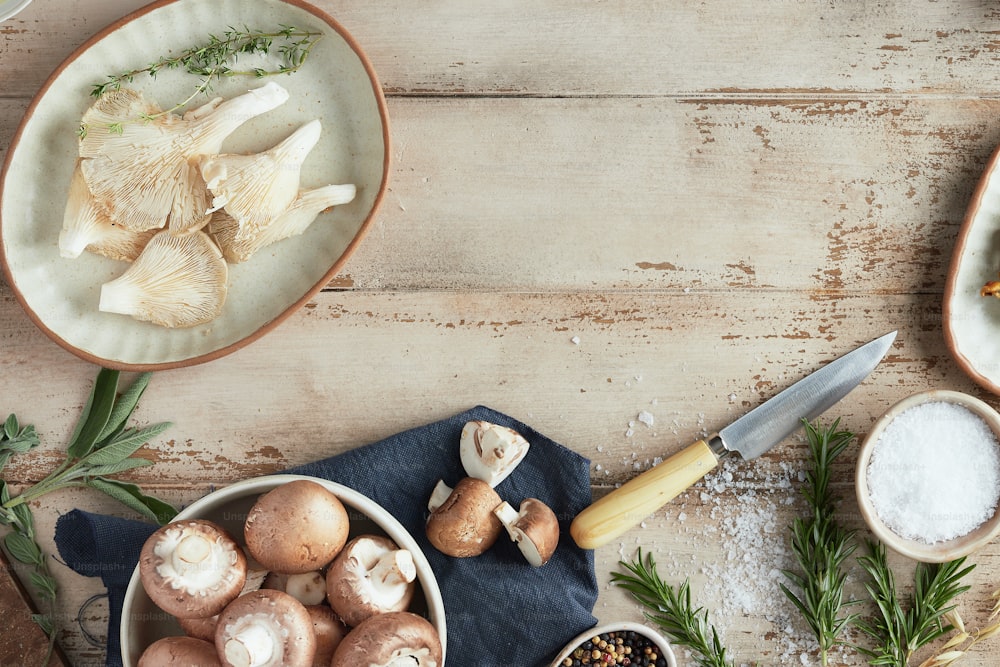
(821, 545)
(672, 610)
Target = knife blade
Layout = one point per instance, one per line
(750, 436)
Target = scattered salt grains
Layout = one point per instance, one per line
(646, 418)
(575, 340)
(934, 474)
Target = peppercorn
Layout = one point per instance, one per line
(629, 649)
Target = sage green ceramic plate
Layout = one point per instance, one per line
(337, 85)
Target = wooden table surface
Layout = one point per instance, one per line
(596, 210)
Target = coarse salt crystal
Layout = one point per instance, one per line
(934, 473)
(645, 417)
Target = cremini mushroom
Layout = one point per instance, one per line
(256, 189)
(296, 527)
(177, 281)
(391, 640)
(180, 652)
(306, 587)
(534, 527)
(239, 247)
(87, 227)
(329, 631)
(464, 524)
(491, 452)
(371, 575)
(204, 628)
(140, 163)
(192, 568)
(265, 628)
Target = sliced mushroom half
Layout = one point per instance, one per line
(534, 527)
(370, 576)
(491, 452)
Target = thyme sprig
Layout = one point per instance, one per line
(217, 59)
(821, 546)
(102, 445)
(671, 609)
(899, 632)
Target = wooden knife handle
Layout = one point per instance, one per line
(633, 501)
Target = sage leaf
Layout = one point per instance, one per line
(10, 428)
(115, 468)
(43, 621)
(126, 445)
(22, 515)
(23, 548)
(124, 407)
(45, 583)
(4, 458)
(95, 413)
(132, 497)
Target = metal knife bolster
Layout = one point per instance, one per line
(718, 445)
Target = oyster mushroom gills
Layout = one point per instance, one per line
(265, 628)
(491, 452)
(464, 524)
(395, 639)
(371, 575)
(192, 568)
(297, 527)
(534, 527)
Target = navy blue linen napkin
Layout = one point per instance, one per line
(500, 611)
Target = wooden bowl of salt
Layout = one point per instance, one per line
(928, 476)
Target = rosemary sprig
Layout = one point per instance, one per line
(217, 59)
(900, 632)
(821, 545)
(102, 445)
(671, 609)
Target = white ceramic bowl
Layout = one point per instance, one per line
(336, 85)
(143, 623)
(661, 644)
(937, 552)
(10, 7)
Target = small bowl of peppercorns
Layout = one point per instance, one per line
(627, 644)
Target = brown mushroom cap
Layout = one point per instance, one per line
(296, 527)
(200, 628)
(329, 631)
(371, 575)
(534, 527)
(192, 568)
(464, 525)
(387, 639)
(179, 651)
(265, 628)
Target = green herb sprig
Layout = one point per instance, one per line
(671, 609)
(899, 632)
(821, 545)
(217, 60)
(102, 445)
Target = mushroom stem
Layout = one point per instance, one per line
(192, 550)
(438, 496)
(251, 647)
(509, 517)
(394, 569)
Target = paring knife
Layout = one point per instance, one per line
(751, 435)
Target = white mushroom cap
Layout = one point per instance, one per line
(491, 452)
(192, 568)
(398, 639)
(370, 576)
(534, 527)
(464, 525)
(179, 652)
(329, 631)
(265, 628)
(177, 281)
(297, 527)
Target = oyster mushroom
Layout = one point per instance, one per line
(177, 281)
(87, 227)
(534, 527)
(256, 189)
(239, 247)
(491, 452)
(265, 628)
(296, 527)
(329, 631)
(464, 524)
(371, 575)
(192, 568)
(140, 163)
(391, 640)
(179, 652)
